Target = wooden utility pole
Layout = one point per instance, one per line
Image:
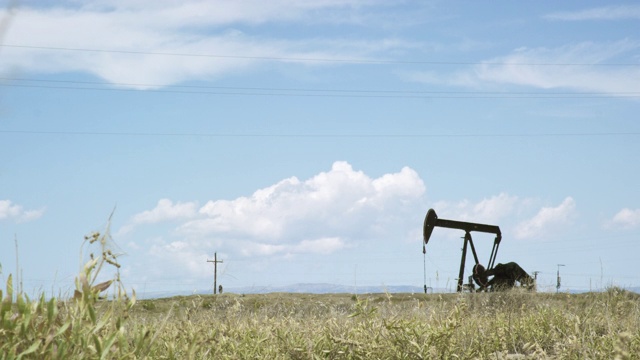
(215, 262)
(535, 279)
(558, 284)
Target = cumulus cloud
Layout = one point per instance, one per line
(330, 203)
(322, 246)
(489, 210)
(166, 210)
(150, 44)
(521, 218)
(321, 215)
(181, 257)
(626, 218)
(15, 212)
(334, 210)
(546, 219)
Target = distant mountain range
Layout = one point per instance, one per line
(328, 289)
(301, 288)
(317, 288)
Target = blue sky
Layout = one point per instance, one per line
(304, 141)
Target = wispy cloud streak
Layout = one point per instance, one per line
(620, 12)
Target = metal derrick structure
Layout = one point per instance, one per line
(432, 221)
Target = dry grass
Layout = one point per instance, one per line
(304, 326)
(469, 326)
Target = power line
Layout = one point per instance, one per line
(301, 59)
(309, 135)
(312, 92)
(359, 93)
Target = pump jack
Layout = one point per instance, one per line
(505, 275)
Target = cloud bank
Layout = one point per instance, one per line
(151, 44)
(333, 210)
(331, 202)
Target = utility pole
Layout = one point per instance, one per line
(535, 279)
(558, 283)
(215, 262)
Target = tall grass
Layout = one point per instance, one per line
(512, 324)
(468, 326)
(83, 327)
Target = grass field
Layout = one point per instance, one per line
(515, 324)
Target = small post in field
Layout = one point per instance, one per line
(215, 262)
(558, 283)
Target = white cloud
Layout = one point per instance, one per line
(626, 218)
(147, 39)
(543, 68)
(226, 12)
(331, 211)
(323, 246)
(329, 203)
(507, 212)
(341, 208)
(619, 12)
(166, 210)
(326, 211)
(319, 246)
(513, 69)
(15, 212)
(181, 258)
(259, 249)
(546, 219)
(490, 210)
